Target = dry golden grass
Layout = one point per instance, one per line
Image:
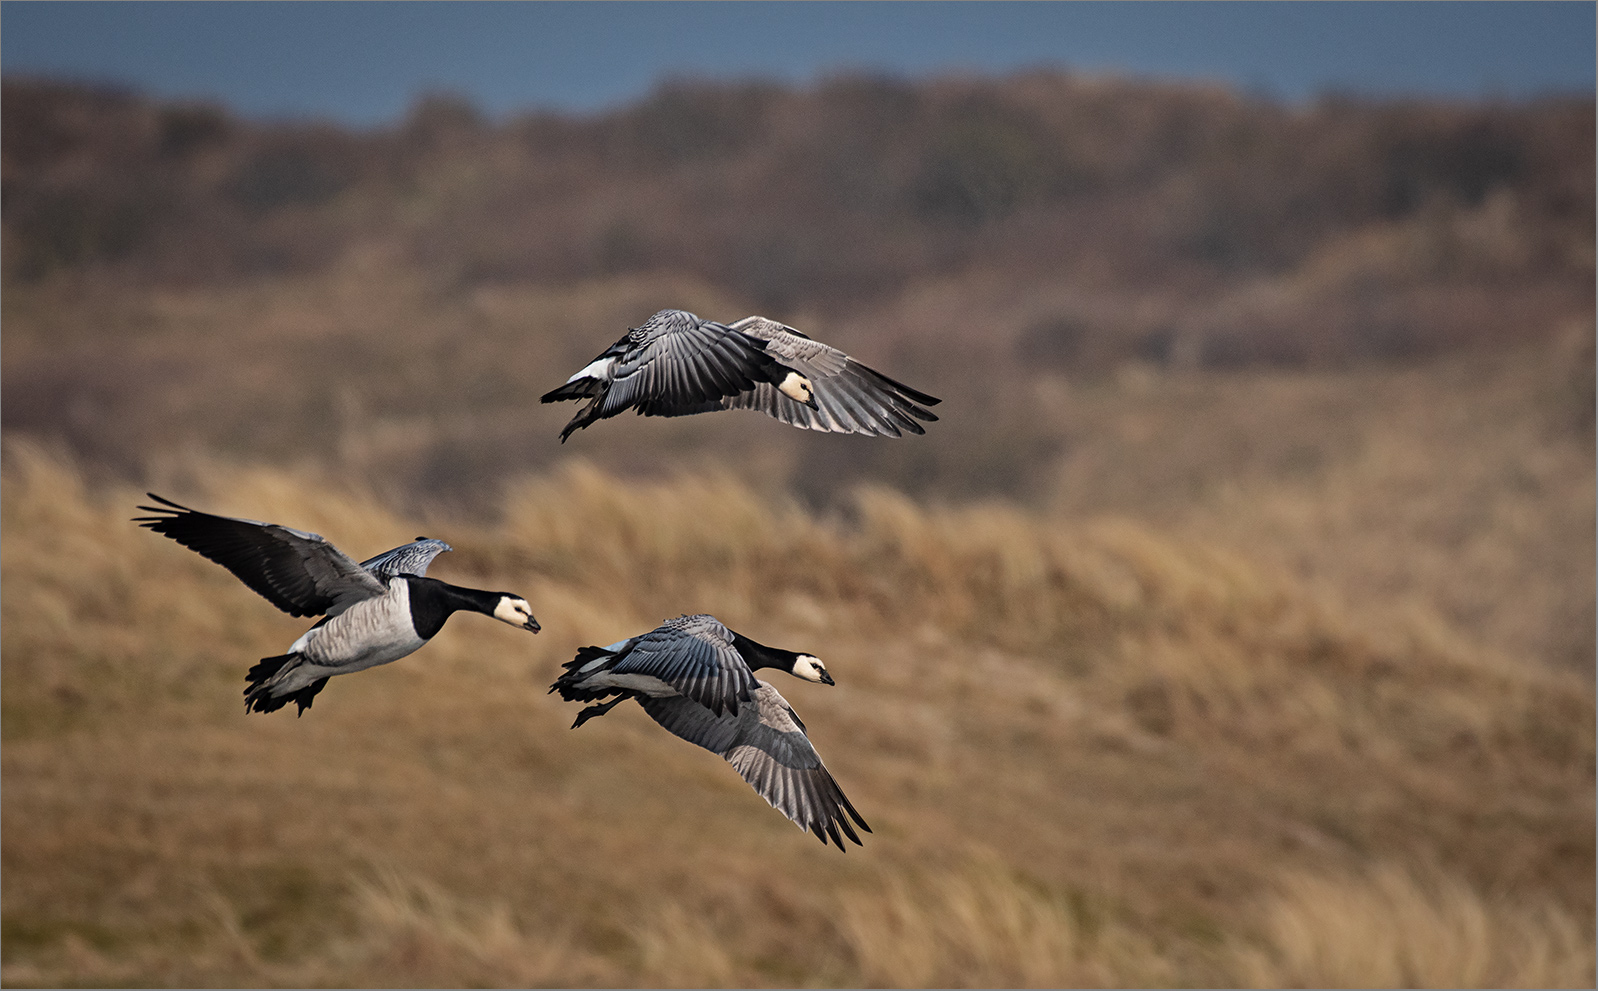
(1242, 647)
(1093, 752)
(1458, 495)
(1390, 928)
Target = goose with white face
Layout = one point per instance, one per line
(696, 679)
(678, 363)
(810, 668)
(375, 612)
(515, 610)
(798, 388)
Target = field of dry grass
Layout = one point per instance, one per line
(1234, 625)
(1093, 752)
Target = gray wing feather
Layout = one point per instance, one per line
(766, 744)
(696, 656)
(850, 397)
(804, 355)
(297, 571)
(407, 559)
(680, 364)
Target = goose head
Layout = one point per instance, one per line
(810, 668)
(798, 388)
(513, 609)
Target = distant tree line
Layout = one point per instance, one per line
(832, 198)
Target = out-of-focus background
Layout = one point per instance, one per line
(1234, 625)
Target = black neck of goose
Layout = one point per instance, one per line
(433, 601)
(758, 655)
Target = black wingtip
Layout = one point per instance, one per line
(914, 395)
(832, 831)
(168, 507)
(848, 807)
(165, 502)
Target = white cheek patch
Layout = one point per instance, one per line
(795, 387)
(599, 369)
(506, 612)
(808, 667)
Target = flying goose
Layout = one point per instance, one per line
(678, 363)
(375, 612)
(696, 678)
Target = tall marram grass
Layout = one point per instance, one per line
(1392, 927)
(1092, 753)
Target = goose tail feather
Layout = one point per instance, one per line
(268, 674)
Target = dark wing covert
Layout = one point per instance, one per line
(299, 572)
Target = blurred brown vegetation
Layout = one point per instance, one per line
(287, 287)
(1092, 753)
(1234, 625)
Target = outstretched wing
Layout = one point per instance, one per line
(299, 572)
(407, 559)
(767, 745)
(695, 655)
(680, 363)
(849, 397)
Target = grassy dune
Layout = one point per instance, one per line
(1092, 751)
(1233, 626)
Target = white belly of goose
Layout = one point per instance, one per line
(365, 635)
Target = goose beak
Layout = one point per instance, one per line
(531, 624)
(826, 679)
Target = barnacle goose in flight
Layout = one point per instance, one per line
(375, 612)
(678, 363)
(695, 677)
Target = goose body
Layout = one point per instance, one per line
(678, 363)
(695, 677)
(374, 612)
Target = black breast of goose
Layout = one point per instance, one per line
(695, 677)
(374, 612)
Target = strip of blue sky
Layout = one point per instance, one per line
(365, 63)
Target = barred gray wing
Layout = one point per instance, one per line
(766, 744)
(696, 656)
(681, 364)
(407, 559)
